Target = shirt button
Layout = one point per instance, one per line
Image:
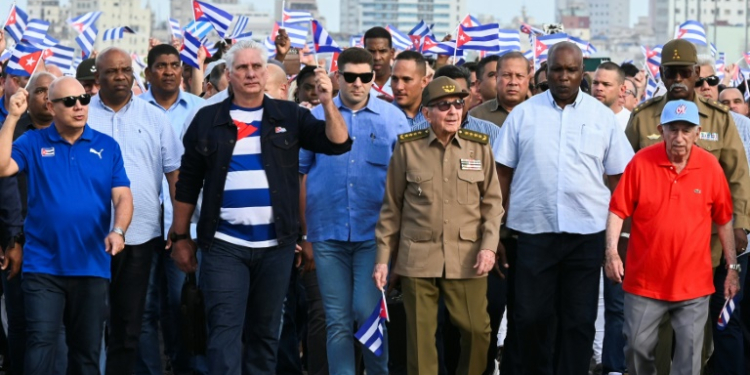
(445, 221)
(274, 192)
(351, 184)
(352, 161)
(353, 138)
(445, 179)
(231, 141)
(446, 201)
(445, 160)
(278, 218)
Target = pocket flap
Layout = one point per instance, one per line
(470, 176)
(416, 176)
(205, 148)
(284, 141)
(469, 233)
(418, 235)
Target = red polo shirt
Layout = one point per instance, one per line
(669, 254)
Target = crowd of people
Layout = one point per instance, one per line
(482, 198)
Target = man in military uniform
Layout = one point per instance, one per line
(719, 136)
(440, 223)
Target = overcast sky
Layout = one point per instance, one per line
(541, 10)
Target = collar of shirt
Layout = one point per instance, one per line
(371, 106)
(432, 139)
(416, 116)
(54, 135)
(97, 100)
(579, 99)
(495, 106)
(663, 160)
(149, 97)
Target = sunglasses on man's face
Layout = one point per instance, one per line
(70, 101)
(712, 81)
(352, 77)
(446, 105)
(670, 72)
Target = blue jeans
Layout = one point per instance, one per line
(349, 295)
(728, 356)
(80, 303)
(613, 349)
(244, 290)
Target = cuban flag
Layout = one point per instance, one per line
(739, 76)
(86, 40)
(713, 49)
(479, 38)
(334, 63)
(357, 41)
(270, 47)
(174, 25)
(651, 87)
(420, 31)
(60, 56)
(470, 21)
(653, 60)
(323, 42)
(509, 40)
(370, 334)
(582, 44)
(628, 61)
(24, 59)
(15, 25)
(296, 16)
(199, 29)
(431, 47)
(5, 55)
(401, 41)
(239, 27)
(726, 314)
(48, 42)
(544, 42)
(138, 60)
(83, 21)
(117, 33)
(720, 63)
(297, 34)
(189, 50)
(531, 30)
(35, 31)
(219, 18)
(746, 56)
(592, 50)
(693, 31)
(529, 55)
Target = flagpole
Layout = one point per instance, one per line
(12, 5)
(315, 51)
(385, 304)
(455, 51)
(283, 6)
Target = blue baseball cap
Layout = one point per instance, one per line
(680, 110)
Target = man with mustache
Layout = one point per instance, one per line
(680, 72)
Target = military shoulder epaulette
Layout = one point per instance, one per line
(473, 136)
(647, 103)
(714, 104)
(410, 136)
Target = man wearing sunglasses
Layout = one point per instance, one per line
(343, 199)
(151, 152)
(728, 354)
(75, 176)
(719, 135)
(440, 224)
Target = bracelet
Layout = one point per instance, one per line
(625, 235)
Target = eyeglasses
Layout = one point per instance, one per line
(712, 81)
(70, 101)
(446, 105)
(352, 77)
(670, 72)
(631, 92)
(542, 86)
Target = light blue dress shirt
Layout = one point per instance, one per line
(471, 123)
(150, 148)
(560, 157)
(345, 192)
(178, 113)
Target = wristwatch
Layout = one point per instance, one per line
(174, 237)
(119, 231)
(735, 267)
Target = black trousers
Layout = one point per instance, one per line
(127, 295)
(317, 356)
(556, 296)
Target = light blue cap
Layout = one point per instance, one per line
(680, 110)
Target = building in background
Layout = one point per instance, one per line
(118, 13)
(403, 14)
(608, 16)
(310, 6)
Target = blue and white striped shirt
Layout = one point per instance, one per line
(246, 212)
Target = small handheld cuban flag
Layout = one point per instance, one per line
(15, 24)
(24, 60)
(370, 334)
(174, 25)
(83, 21)
(189, 52)
(219, 18)
(322, 40)
(296, 16)
(117, 33)
(86, 40)
(726, 314)
(401, 41)
(35, 31)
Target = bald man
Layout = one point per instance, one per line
(733, 98)
(77, 173)
(54, 70)
(277, 85)
(153, 150)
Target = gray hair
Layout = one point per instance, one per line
(245, 45)
(36, 76)
(215, 75)
(704, 59)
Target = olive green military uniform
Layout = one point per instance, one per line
(491, 111)
(720, 137)
(442, 205)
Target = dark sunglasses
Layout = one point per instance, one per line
(684, 72)
(446, 105)
(542, 86)
(352, 77)
(712, 81)
(70, 101)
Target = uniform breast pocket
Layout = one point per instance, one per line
(419, 187)
(286, 150)
(378, 154)
(467, 190)
(592, 142)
